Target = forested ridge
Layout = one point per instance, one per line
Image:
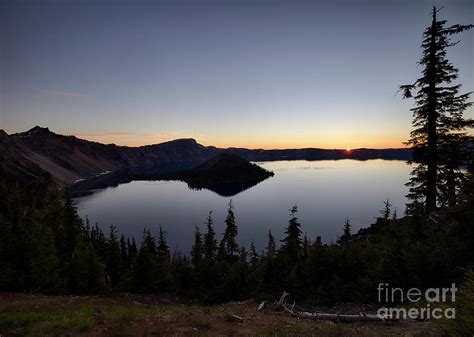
(46, 247)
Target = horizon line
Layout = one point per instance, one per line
(90, 137)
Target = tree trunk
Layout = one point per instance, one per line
(432, 174)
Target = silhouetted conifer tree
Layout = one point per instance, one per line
(163, 249)
(132, 256)
(123, 250)
(146, 272)
(439, 136)
(346, 233)
(230, 234)
(196, 251)
(210, 242)
(132, 249)
(292, 245)
(387, 210)
(253, 255)
(270, 250)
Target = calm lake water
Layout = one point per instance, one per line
(326, 192)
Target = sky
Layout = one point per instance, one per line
(256, 74)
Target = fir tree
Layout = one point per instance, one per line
(196, 251)
(292, 245)
(270, 250)
(146, 272)
(210, 242)
(230, 234)
(123, 251)
(387, 209)
(132, 254)
(346, 233)
(132, 249)
(163, 249)
(439, 135)
(253, 255)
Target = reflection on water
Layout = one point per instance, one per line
(326, 192)
(229, 189)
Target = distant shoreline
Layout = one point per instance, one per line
(70, 159)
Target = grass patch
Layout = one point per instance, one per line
(34, 321)
(21, 318)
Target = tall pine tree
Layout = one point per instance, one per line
(196, 251)
(210, 242)
(230, 234)
(253, 254)
(270, 250)
(292, 244)
(346, 233)
(439, 136)
(163, 249)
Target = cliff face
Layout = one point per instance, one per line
(69, 159)
(13, 164)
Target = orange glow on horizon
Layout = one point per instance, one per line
(282, 145)
(133, 140)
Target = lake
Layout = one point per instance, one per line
(326, 192)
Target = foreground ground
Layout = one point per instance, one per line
(140, 315)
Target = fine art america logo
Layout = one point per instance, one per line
(432, 303)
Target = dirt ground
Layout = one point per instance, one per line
(143, 315)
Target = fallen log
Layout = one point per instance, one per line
(321, 316)
(234, 318)
(343, 318)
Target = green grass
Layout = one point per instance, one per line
(33, 321)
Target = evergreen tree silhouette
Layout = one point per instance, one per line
(123, 252)
(270, 250)
(439, 136)
(230, 234)
(386, 210)
(253, 254)
(292, 244)
(346, 233)
(163, 249)
(196, 251)
(210, 242)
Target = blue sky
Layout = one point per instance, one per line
(228, 73)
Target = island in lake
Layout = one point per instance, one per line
(225, 174)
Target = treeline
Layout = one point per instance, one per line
(46, 247)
